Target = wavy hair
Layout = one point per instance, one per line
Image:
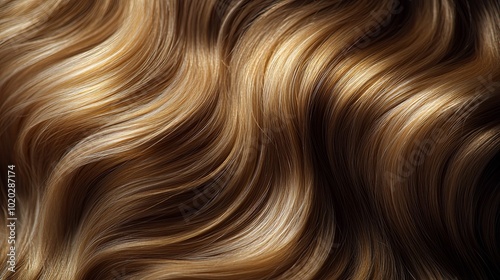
(293, 139)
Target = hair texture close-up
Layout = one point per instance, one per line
(249, 139)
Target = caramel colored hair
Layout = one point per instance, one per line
(257, 139)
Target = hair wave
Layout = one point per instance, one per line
(260, 139)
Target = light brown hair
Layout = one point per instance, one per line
(258, 139)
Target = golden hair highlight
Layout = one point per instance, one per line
(291, 139)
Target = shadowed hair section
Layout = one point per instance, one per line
(257, 139)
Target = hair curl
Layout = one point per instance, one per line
(247, 139)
